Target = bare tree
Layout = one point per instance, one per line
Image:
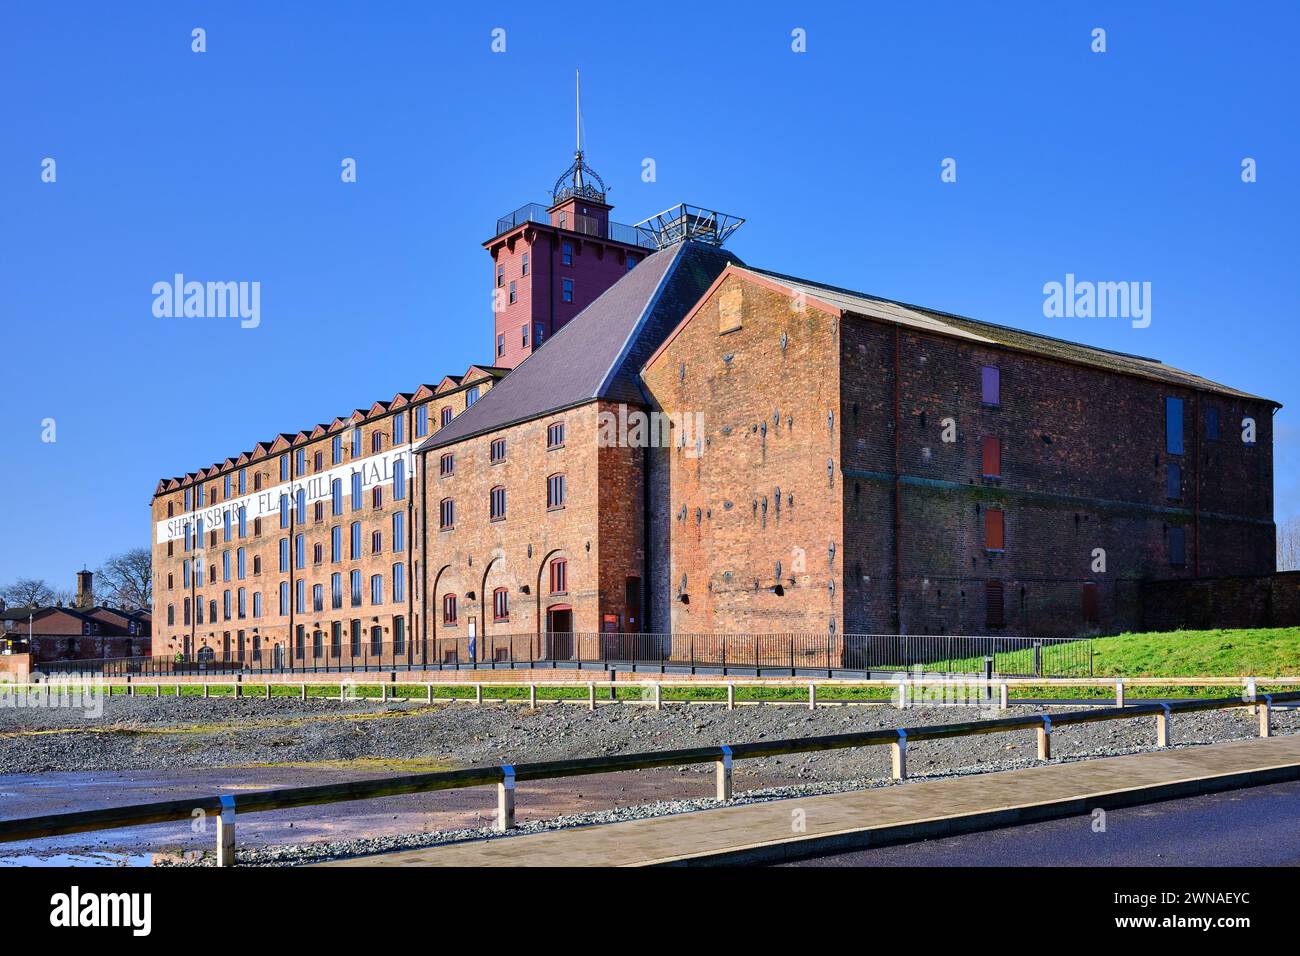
(126, 580)
(1288, 545)
(29, 591)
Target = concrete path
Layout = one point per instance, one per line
(919, 809)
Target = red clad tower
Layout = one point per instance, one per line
(551, 262)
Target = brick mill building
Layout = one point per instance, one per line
(669, 440)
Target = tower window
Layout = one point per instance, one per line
(501, 345)
(514, 296)
(524, 271)
(501, 274)
(567, 291)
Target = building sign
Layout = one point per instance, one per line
(375, 470)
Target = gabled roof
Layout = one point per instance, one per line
(957, 326)
(600, 351)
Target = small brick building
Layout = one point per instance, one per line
(668, 439)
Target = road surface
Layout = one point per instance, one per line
(1258, 826)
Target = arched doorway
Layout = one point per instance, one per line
(559, 632)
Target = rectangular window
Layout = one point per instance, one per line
(538, 330)
(336, 543)
(299, 642)
(399, 480)
(336, 590)
(318, 597)
(336, 496)
(990, 385)
(376, 589)
(399, 583)
(225, 488)
(566, 292)
(992, 457)
(1173, 482)
(243, 480)
(299, 552)
(284, 597)
(355, 582)
(300, 461)
(318, 462)
(356, 491)
(243, 521)
(336, 449)
(284, 467)
(501, 345)
(524, 270)
(257, 604)
(514, 295)
(471, 396)
(566, 254)
(501, 274)
(449, 610)
(300, 506)
(523, 336)
(300, 596)
(501, 604)
(399, 430)
(1212, 423)
(993, 530)
(399, 531)
(284, 511)
(356, 540)
(356, 442)
(1174, 426)
(559, 576)
(225, 565)
(994, 610)
(240, 563)
(1177, 547)
(498, 450)
(421, 422)
(336, 639)
(354, 638)
(399, 635)
(376, 497)
(497, 504)
(377, 641)
(284, 554)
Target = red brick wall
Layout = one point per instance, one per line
(770, 427)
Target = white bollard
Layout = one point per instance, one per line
(532, 696)
(724, 775)
(478, 693)
(428, 693)
(1163, 720)
(591, 696)
(812, 696)
(1119, 693)
(659, 697)
(898, 756)
(506, 799)
(731, 697)
(1002, 697)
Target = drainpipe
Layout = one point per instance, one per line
(1196, 494)
(424, 558)
(898, 490)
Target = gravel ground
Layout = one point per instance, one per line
(148, 734)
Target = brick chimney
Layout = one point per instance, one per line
(85, 590)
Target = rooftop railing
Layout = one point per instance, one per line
(615, 231)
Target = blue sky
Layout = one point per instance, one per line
(224, 165)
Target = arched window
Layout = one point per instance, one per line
(171, 614)
(501, 604)
(497, 503)
(336, 496)
(559, 576)
(446, 416)
(555, 492)
(449, 610)
(446, 514)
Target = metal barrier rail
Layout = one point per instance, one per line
(506, 776)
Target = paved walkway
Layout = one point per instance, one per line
(919, 809)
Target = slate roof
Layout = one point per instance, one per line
(600, 351)
(944, 323)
